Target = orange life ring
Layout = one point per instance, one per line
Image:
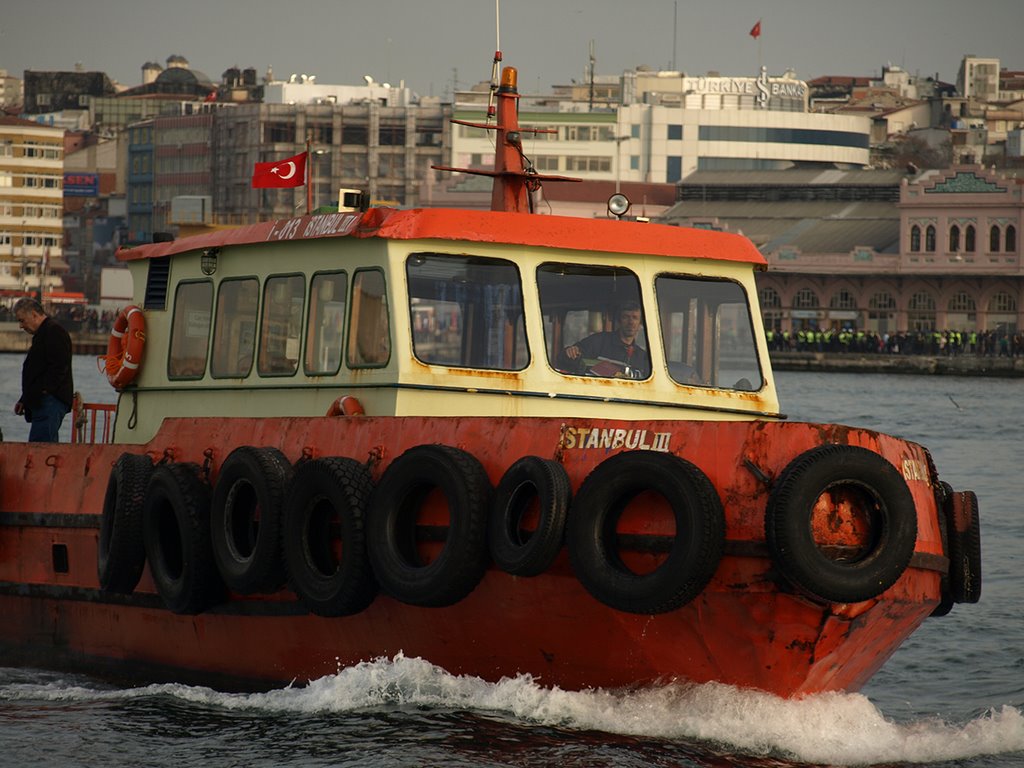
(346, 405)
(124, 349)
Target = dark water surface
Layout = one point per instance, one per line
(953, 695)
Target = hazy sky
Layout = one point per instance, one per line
(427, 43)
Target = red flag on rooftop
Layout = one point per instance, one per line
(290, 172)
(755, 31)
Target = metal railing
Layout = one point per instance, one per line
(92, 420)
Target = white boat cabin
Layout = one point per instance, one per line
(447, 313)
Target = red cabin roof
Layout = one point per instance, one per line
(525, 229)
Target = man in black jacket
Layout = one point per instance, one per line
(47, 388)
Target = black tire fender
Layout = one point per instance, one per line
(176, 532)
(245, 519)
(963, 531)
(695, 551)
(392, 530)
(324, 539)
(531, 483)
(120, 553)
(884, 501)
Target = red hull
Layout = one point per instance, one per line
(746, 628)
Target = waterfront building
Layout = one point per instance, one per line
(670, 125)
(879, 251)
(31, 211)
(383, 150)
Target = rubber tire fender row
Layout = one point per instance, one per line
(788, 524)
(120, 553)
(324, 538)
(176, 532)
(963, 534)
(245, 519)
(696, 549)
(392, 526)
(530, 479)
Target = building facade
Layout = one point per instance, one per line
(384, 151)
(670, 125)
(885, 253)
(31, 207)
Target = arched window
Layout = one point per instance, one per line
(769, 298)
(771, 308)
(806, 299)
(921, 312)
(954, 239)
(1002, 302)
(915, 238)
(881, 311)
(993, 239)
(1011, 239)
(929, 239)
(882, 300)
(921, 300)
(969, 239)
(1002, 312)
(960, 312)
(842, 299)
(961, 302)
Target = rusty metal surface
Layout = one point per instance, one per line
(747, 628)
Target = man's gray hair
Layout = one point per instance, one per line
(28, 304)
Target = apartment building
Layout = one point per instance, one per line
(31, 207)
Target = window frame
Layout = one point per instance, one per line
(351, 337)
(263, 334)
(471, 260)
(183, 284)
(709, 331)
(308, 337)
(217, 325)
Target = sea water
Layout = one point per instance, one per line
(952, 695)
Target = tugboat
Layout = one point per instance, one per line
(504, 442)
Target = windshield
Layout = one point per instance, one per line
(593, 321)
(708, 333)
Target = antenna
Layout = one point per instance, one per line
(491, 109)
(591, 75)
(675, 30)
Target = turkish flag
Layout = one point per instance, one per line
(755, 32)
(290, 172)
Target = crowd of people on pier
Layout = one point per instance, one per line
(921, 342)
(76, 318)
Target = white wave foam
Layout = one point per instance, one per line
(834, 728)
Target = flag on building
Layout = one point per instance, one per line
(755, 31)
(290, 172)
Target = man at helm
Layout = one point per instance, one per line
(619, 346)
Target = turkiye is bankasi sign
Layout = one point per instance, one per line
(290, 172)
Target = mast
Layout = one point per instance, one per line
(510, 191)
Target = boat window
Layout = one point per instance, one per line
(466, 311)
(593, 321)
(708, 333)
(326, 321)
(234, 334)
(369, 330)
(190, 330)
(281, 330)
